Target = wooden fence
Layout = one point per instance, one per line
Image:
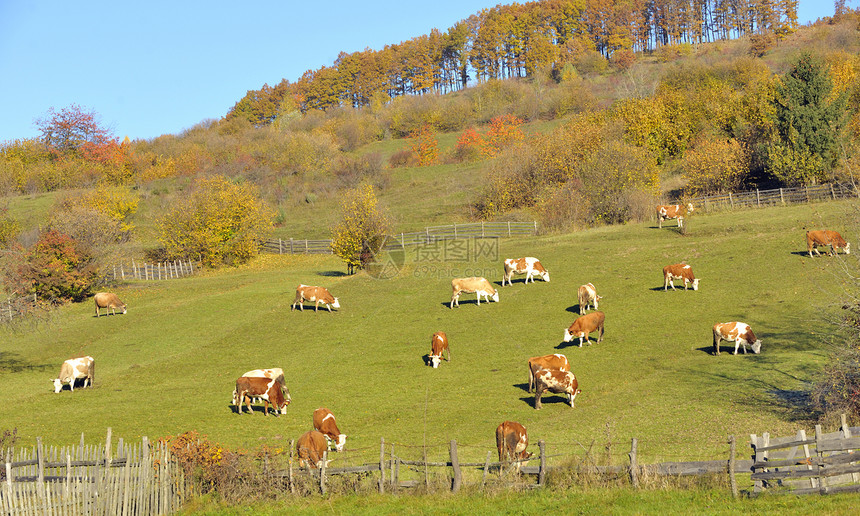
(131, 480)
(758, 198)
(17, 307)
(154, 271)
(800, 465)
(400, 240)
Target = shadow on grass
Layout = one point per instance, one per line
(332, 274)
(574, 309)
(12, 363)
(547, 398)
(523, 386)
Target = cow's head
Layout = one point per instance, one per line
(756, 346)
(124, 308)
(573, 397)
(287, 398)
(235, 397)
(567, 335)
(696, 284)
(58, 384)
(847, 248)
(434, 360)
(545, 276)
(319, 463)
(689, 207)
(336, 304)
(341, 441)
(495, 296)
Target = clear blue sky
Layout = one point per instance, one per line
(158, 67)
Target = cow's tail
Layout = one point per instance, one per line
(500, 442)
(92, 372)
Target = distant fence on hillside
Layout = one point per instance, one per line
(400, 240)
(153, 271)
(759, 198)
(140, 479)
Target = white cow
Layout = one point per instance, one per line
(72, 369)
(529, 266)
(477, 285)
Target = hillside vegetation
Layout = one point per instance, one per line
(170, 363)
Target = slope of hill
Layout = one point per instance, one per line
(169, 365)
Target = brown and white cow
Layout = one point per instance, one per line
(529, 266)
(438, 344)
(512, 441)
(325, 423)
(311, 448)
(738, 332)
(267, 389)
(584, 325)
(826, 238)
(275, 373)
(110, 302)
(679, 271)
(555, 361)
(74, 368)
(557, 382)
(314, 295)
(587, 295)
(473, 285)
(673, 211)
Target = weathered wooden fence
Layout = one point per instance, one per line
(154, 271)
(399, 240)
(17, 307)
(758, 198)
(825, 463)
(139, 479)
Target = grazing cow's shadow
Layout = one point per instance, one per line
(727, 349)
(575, 343)
(332, 274)
(548, 398)
(805, 253)
(447, 304)
(574, 309)
(523, 386)
(656, 289)
(426, 359)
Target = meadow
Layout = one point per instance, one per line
(169, 365)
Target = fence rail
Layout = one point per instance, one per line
(154, 271)
(758, 198)
(139, 479)
(823, 464)
(399, 240)
(17, 307)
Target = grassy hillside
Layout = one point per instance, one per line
(169, 365)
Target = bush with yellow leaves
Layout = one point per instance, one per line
(361, 231)
(218, 222)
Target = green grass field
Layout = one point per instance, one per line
(169, 365)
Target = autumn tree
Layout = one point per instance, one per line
(715, 166)
(809, 123)
(361, 232)
(219, 222)
(424, 146)
(57, 268)
(71, 129)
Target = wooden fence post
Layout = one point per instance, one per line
(509, 229)
(822, 483)
(290, 472)
(486, 469)
(832, 192)
(542, 471)
(757, 197)
(846, 434)
(731, 201)
(382, 465)
(781, 198)
(391, 469)
(322, 472)
(40, 457)
(634, 465)
(732, 480)
(455, 466)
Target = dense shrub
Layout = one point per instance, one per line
(715, 166)
(57, 268)
(9, 228)
(362, 229)
(218, 222)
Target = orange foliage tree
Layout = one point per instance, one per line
(425, 146)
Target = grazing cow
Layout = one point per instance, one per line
(557, 382)
(325, 423)
(679, 271)
(587, 296)
(476, 285)
(738, 332)
(555, 361)
(438, 344)
(512, 441)
(269, 390)
(674, 211)
(311, 448)
(584, 325)
(529, 266)
(825, 238)
(314, 295)
(72, 369)
(110, 302)
(275, 373)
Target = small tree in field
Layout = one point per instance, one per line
(57, 267)
(220, 222)
(361, 232)
(424, 146)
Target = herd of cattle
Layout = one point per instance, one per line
(548, 373)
